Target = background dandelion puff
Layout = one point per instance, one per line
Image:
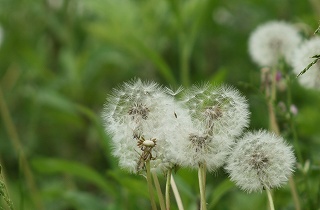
(272, 41)
(302, 58)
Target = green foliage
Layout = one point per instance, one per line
(60, 59)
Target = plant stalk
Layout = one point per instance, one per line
(201, 176)
(14, 137)
(150, 188)
(167, 196)
(176, 194)
(159, 192)
(273, 126)
(270, 199)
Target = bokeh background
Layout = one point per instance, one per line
(59, 59)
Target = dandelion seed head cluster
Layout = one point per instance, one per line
(260, 160)
(147, 123)
(273, 41)
(302, 58)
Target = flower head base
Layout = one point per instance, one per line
(134, 116)
(260, 160)
(302, 58)
(273, 41)
(215, 115)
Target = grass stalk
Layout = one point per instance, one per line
(14, 137)
(292, 126)
(294, 194)
(4, 191)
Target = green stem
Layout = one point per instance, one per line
(149, 181)
(159, 192)
(14, 137)
(4, 192)
(294, 193)
(270, 199)
(293, 129)
(168, 189)
(176, 194)
(201, 177)
(204, 174)
(271, 97)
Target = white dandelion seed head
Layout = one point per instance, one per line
(260, 160)
(212, 117)
(302, 58)
(272, 41)
(217, 109)
(139, 110)
(193, 148)
(134, 104)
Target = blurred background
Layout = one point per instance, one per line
(59, 59)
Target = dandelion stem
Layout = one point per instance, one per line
(275, 128)
(159, 192)
(168, 189)
(270, 199)
(149, 181)
(176, 194)
(201, 177)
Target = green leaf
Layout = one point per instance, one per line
(52, 166)
(219, 77)
(222, 189)
(136, 47)
(131, 183)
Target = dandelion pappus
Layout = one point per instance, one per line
(173, 93)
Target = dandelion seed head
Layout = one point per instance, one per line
(193, 148)
(139, 117)
(260, 160)
(302, 58)
(272, 41)
(213, 117)
(217, 109)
